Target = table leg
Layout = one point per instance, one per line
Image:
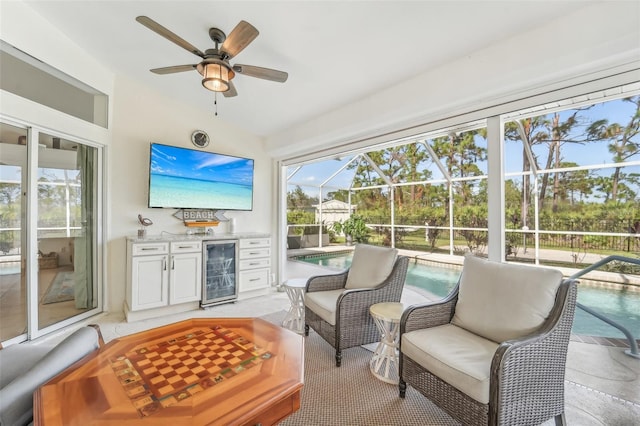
(384, 362)
(294, 319)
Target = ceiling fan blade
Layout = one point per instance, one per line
(239, 38)
(169, 35)
(171, 70)
(260, 72)
(231, 92)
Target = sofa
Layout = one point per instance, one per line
(25, 367)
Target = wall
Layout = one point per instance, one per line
(595, 41)
(142, 116)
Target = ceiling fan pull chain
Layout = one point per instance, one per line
(215, 102)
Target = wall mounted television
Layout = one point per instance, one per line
(183, 178)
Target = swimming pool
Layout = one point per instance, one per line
(620, 306)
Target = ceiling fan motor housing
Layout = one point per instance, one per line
(217, 35)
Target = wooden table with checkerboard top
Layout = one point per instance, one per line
(200, 371)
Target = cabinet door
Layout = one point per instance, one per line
(186, 277)
(149, 281)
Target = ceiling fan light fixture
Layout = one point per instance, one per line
(216, 76)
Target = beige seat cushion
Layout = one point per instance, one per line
(370, 266)
(323, 303)
(502, 301)
(457, 356)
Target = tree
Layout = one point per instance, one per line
(621, 140)
(460, 154)
(574, 183)
(299, 200)
(340, 195)
(533, 132)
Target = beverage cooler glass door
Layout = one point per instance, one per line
(220, 272)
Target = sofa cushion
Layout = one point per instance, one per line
(370, 266)
(455, 355)
(324, 303)
(16, 398)
(16, 360)
(502, 301)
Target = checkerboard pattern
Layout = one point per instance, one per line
(162, 374)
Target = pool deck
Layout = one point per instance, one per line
(602, 383)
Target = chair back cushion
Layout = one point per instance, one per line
(502, 301)
(370, 266)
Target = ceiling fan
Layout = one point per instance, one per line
(215, 68)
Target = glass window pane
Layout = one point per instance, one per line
(67, 186)
(13, 291)
(588, 183)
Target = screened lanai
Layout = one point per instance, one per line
(555, 184)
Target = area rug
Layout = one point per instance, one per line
(61, 288)
(350, 395)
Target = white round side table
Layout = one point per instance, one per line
(384, 362)
(294, 320)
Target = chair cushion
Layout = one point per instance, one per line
(370, 266)
(324, 303)
(502, 301)
(16, 398)
(455, 355)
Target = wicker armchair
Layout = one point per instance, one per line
(337, 306)
(514, 376)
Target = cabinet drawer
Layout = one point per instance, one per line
(255, 263)
(252, 280)
(255, 253)
(246, 243)
(186, 246)
(141, 249)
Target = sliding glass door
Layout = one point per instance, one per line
(48, 232)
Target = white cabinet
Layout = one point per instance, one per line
(165, 275)
(150, 281)
(148, 276)
(254, 266)
(161, 274)
(185, 272)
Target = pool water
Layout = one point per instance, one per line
(8, 268)
(621, 306)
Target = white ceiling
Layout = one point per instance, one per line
(336, 52)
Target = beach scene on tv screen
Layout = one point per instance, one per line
(185, 178)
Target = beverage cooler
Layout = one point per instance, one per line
(220, 275)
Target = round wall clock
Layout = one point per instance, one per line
(200, 138)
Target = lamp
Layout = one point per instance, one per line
(217, 75)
